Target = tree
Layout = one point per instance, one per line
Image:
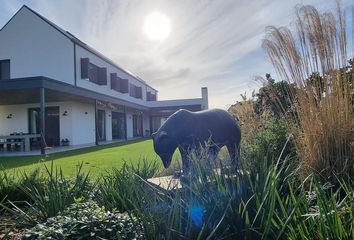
(277, 97)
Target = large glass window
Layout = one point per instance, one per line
(135, 91)
(93, 73)
(137, 125)
(52, 128)
(101, 125)
(118, 125)
(4, 69)
(150, 96)
(157, 122)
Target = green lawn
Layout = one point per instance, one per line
(97, 159)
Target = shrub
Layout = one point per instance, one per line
(314, 59)
(52, 195)
(266, 204)
(11, 185)
(267, 141)
(125, 190)
(265, 136)
(87, 221)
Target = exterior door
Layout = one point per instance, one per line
(101, 125)
(52, 128)
(137, 125)
(52, 131)
(118, 125)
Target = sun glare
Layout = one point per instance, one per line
(157, 26)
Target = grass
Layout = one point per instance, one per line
(96, 160)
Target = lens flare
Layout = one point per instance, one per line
(157, 26)
(196, 213)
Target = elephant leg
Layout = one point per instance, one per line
(213, 152)
(185, 160)
(234, 153)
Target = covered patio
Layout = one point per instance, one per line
(42, 134)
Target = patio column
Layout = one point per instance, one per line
(96, 120)
(125, 124)
(42, 118)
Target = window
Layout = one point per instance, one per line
(118, 84)
(4, 69)
(150, 96)
(118, 125)
(84, 68)
(132, 90)
(97, 75)
(92, 72)
(124, 85)
(101, 125)
(136, 91)
(137, 125)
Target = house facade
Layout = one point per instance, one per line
(54, 85)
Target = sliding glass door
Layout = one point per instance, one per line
(101, 125)
(118, 125)
(137, 125)
(52, 129)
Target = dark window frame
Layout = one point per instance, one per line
(135, 91)
(138, 125)
(7, 74)
(118, 84)
(92, 72)
(150, 96)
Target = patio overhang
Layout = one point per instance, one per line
(25, 90)
(169, 110)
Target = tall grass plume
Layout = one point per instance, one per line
(313, 57)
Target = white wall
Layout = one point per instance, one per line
(19, 120)
(65, 122)
(83, 126)
(36, 49)
(108, 125)
(129, 120)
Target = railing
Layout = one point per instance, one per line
(19, 139)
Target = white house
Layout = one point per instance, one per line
(55, 86)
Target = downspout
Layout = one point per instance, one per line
(75, 78)
(42, 119)
(96, 120)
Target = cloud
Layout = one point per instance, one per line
(213, 43)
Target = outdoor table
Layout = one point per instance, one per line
(25, 137)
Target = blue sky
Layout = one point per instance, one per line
(216, 44)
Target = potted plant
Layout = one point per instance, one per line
(65, 142)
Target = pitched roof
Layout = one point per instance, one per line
(80, 43)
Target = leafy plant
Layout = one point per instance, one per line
(145, 168)
(266, 203)
(11, 184)
(265, 142)
(87, 220)
(51, 196)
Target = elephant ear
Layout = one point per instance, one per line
(153, 135)
(162, 135)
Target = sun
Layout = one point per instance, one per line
(157, 26)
